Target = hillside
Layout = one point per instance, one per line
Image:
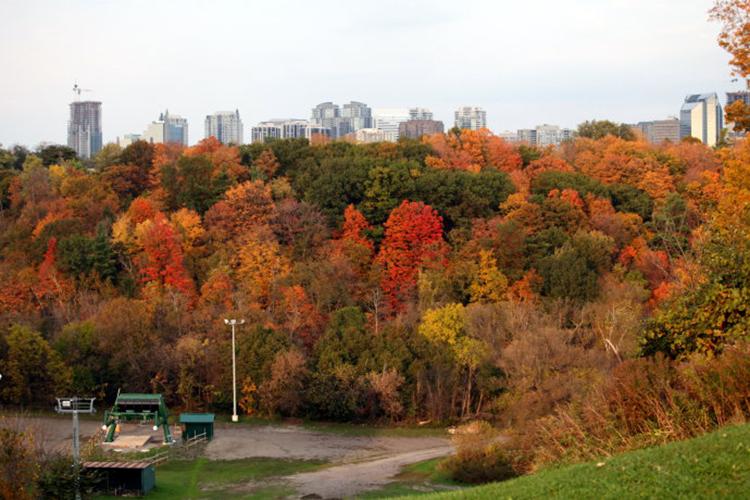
(716, 465)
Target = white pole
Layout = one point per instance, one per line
(234, 379)
(76, 452)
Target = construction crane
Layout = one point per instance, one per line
(77, 90)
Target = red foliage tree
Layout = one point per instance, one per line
(413, 240)
(163, 261)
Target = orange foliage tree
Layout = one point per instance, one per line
(614, 160)
(245, 206)
(300, 318)
(471, 150)
(354, 228)
(266, 163)
(224, 159)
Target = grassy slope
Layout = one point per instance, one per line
(713, 466)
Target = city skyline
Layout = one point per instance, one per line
(565, 73)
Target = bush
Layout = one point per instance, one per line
(19, 465)
(480, 457)
(644, 402)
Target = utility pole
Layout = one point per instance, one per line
(234, 323)
(75, 406)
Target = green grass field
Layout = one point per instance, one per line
(416, 478)
(716, 465)
(221, 479)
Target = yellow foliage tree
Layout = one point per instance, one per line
(261, 265)
(489, 284)
(447, 325)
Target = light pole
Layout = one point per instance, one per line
(76, 406)
(234, 323)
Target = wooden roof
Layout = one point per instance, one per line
(117, 465)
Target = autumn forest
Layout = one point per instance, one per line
(589, 298)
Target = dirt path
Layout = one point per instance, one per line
(350, 479)
(361, 463)
(295, 442)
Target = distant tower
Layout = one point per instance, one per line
(85, 127)
(328, 115)
(226, 126)
(169, 128)
(420, 114)
(471, 117)
(701, 117)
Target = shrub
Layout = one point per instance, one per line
(19, 465)
(480, 457)
(644, 402)
(283, 392)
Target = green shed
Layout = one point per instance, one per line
(195, 424)
(122, 478)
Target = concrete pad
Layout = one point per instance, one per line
(128, 442)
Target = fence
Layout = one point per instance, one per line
(188, 449)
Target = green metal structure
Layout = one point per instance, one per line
(122, 478)
(134, 407)
(195, 424)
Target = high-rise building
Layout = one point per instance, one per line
(527, 135)
(658, 131)
(548, 135)
(508, 135)
(226, 126)
(358, 114)
(551, 135)
(287, 129)
(420, 114)
(85, 128)
(128, 139)
(543, 135)
(368, 135)
(414, 129)
(265, 131)
(175, 128)
(328, 115)
(701, 117)
(154, 133)
(471, 117)
(168, 128)
(388, 120)
(342, 121)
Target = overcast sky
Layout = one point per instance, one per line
(525, 62)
